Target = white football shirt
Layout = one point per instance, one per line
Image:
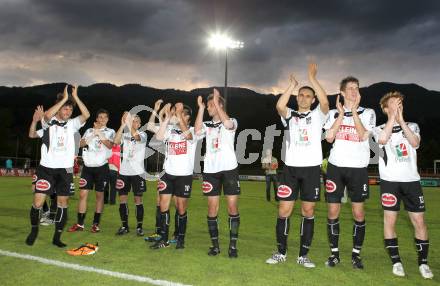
(220, 151)
(399, 160)
(58, 148)
(348, 150)
(303, 142)
(96, 154)
(133, 154)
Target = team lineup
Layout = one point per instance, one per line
(348, 128)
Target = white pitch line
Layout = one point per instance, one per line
(78, 267)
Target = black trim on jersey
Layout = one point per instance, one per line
(56, 122)
(294, 113)
(213, 125)
(385, 156)
(349, 114)
(397, 129)
(46, 138)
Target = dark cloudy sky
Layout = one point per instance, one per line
(163, 43)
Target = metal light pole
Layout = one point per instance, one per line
(223, 42)
(225, 92)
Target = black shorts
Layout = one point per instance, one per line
(213, 183)
(355, 179)
(392, 193)
(94, 178)
(179, 186)
(53, 180)
(136, 183)
(302, 181)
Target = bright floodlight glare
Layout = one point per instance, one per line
(222, 42)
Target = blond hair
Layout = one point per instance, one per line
(386, 97)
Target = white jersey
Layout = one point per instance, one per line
(58, 148)
(220, 152)
(179, 152)
(399, 160)
(133, 154)
(96, 154)
(303, 142)
(348, 150)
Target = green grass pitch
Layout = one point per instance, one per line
(130, 254)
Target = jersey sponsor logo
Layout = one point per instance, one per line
(206, 187)
(177, 148)
(34, 178)
(42, 185)
(330, 186)
(303, 135)
(389, 200)
(120, 184)
(284, 191)
(401, 150)
(348, 133)
(82, 183)
(161, 185)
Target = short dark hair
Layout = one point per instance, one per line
(69, 101)
(346, 80)
(221, 99)
(307, 87)
(102, 110)
(187, 110)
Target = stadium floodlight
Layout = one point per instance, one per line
(223, 42)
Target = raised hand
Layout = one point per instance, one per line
(200, 102)
(216, 96)
(339, 106)
(66, 92)
(75, 91)
(157, 104)
(313, 70)
(179, 107)
(399, 117)
(38, 114)
(356, 103)
(167, 111)
(124, 118)
(292, 81)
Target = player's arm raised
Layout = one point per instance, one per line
(85, 114)
(54, 109)
(198, 124)
(330, 134)
(118, 136)
(38, 116)
(284, 98)
(183, 126)
(386, 132)
(160, 134)
(360, 129)
(412, 138)
(151, 125)
(224, 117)
(320, 92)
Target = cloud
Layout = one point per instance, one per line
(161, 44)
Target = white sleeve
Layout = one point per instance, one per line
(376, 131)
(111, 135)
(234, 123)
(288, 115)
(323, 117)
(86, 134)
(143, 137)
(76, 123)
(369, 119)
(330, 119)
(40, 132)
